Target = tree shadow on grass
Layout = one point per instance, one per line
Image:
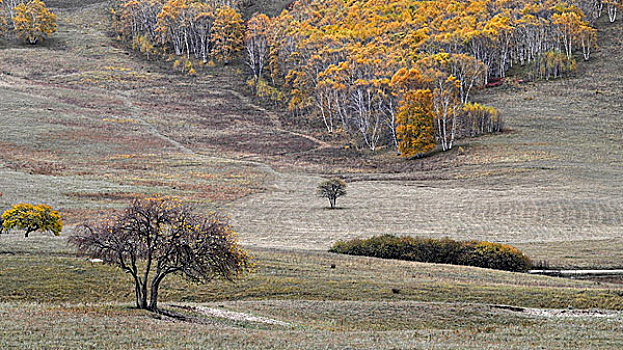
(336, 208)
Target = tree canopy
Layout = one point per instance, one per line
(158, 236)
(31, 218)
(31, 20)
(200, 29)
(357, 65)
(355, 61)
(331, 189)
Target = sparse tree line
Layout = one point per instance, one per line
(204, 30)
(30, 20)
(384, 72)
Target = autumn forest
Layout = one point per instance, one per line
(385, 73)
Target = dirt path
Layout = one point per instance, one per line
(558, 313)
(276, 121)
(232, 315)
(136, 114)
(24, 86)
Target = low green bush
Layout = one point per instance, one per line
(442, 251)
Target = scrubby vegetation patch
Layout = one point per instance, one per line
(442, 251)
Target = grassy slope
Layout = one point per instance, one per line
(44, 269)
(116, 327)
(550, 185)
(86, 125)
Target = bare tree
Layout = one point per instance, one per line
(331, 189)
(159, 236)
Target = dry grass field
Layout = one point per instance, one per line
(295, 300)
(86, 125)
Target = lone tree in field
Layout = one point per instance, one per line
(331, 189)
(167, 237)
(32, 218)
(34, 21)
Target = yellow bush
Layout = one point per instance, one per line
(443, 251)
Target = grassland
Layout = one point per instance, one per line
(85, 125)
(88, 125)
(50, 298)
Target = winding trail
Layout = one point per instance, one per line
(276, 121)
(232, 315)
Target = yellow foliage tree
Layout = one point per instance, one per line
(479, 119)
(415, 131)
(34, 21)
(256, 42)
(228, 34)
(32, 218)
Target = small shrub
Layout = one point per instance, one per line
(442, 251)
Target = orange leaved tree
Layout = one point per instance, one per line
(415, 131)
(228, 34)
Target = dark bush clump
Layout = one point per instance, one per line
(442, 251)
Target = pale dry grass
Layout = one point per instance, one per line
(291, 216)
(110, 326)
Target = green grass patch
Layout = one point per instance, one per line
(45, 269)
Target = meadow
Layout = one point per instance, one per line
(86, 124)
(50, 298)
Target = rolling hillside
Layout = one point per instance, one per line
(86, 125)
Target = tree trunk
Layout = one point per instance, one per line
(137, 291)
(28, 231)
(153, 298)
(144, 284)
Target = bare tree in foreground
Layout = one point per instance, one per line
(159, 236)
